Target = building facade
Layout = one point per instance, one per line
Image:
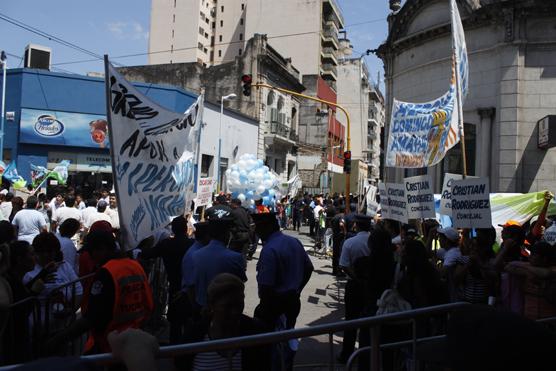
(512, 83)
(212, 32)
(54, 115)
(277, 113)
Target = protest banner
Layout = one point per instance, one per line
(204, 192)
(397, 202)
(383, 194)
(372, 205)
(153, 153)
(446, 196)
(471, 203)
(420, 197)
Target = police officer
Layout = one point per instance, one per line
(119, 298)
(354, 248)
(242, 227)
(283, 270)
(338, 236)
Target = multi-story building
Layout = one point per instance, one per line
(212, 32)
(375, 134)
(512, 84)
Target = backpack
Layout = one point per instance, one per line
(391, 302)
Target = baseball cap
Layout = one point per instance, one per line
(409, 229)
(450, 233)
(102, 203)
(510, 223)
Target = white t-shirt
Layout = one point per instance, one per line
(99, 216)
(54, 207)
(81, 206)
(316, 211)
(87, 214)
(114, 217)
(6, 208)
(69, 251)
(29, 224)
(63, 213)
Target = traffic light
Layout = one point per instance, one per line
(247, 80)
(347, 162)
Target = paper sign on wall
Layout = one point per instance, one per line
(384, 209)
(446, 196)
(471, 203)
(204, 192)
(420, 197)
(397, 202)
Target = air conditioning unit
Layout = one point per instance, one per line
(37, 56)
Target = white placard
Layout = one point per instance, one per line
(372, 205)
(446, 196)
(550, 234)
(471, 203)
(384, 209)
(420, 197)
(204, 191)
(153, 153)
(397, 202)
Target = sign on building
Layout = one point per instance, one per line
(471, 203)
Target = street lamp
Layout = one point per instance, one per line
(4, 61)
(222, 99)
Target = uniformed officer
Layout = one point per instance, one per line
(283, 270)
(354, 248)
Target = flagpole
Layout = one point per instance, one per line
(458, 94)
(123, 237)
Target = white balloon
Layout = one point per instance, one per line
(241, 197)
(261, 189)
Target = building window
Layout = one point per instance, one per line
(221, 23)
(207, 21)
(239, 53)
(174, 3)
(241, 21)
(220, 38)
(172, 33)
(206, 165)
(206, 35)
(220, 53)
(242, 6)
(205, 50)
(201, 31)
(222, 8)
(200, 46)
(171, 48)
(213, 25)
(211, 55)
(240, 36)
(202, 15)
(174, 18)
(212, 41)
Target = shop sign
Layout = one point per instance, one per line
(82, 162)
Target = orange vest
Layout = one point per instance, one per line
(133, 301)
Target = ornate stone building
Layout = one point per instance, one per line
(512, 55)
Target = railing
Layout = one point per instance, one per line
(331, 33)
(279, 128)
(373, 323)
(329, 68)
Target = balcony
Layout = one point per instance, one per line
(331, 9)
(280, 133)
(372, 135)
(329, 55)
(329, 71)
(330, 36)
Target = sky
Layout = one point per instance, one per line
(121, 28)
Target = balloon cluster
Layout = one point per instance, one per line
(249, 180)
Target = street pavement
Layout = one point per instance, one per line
(321, 302)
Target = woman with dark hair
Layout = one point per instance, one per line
(17, 205)
(420, 282)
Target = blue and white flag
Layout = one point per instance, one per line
(153, 153)
(420, 134)
(460, 49)
(13, 177)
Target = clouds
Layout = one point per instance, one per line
(127, 30)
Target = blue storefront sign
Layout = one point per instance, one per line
(63, 128)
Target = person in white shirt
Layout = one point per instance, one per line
(29, 222)
(113, 212)
(56, 203)
(100, 214)
(67, 230)
(79, 204)
(65, 212)
(88, 212)
(6, 205)
(105, 195)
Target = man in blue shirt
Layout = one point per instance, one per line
(216, 258)
(353, 249)
(283, 270)
(201, 240)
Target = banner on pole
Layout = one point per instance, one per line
(471, 203)
(446, 196)
(420, 197)
(383, 194)
(460, 47)
(204, 191)
(153, 153)
(397, 202)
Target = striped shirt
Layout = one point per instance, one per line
(475, 289)
(213, 361)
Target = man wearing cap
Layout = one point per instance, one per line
(449, 253)
(219, 208)
(283, 270)
(354, 248)
(216, 257)
(119, 298)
